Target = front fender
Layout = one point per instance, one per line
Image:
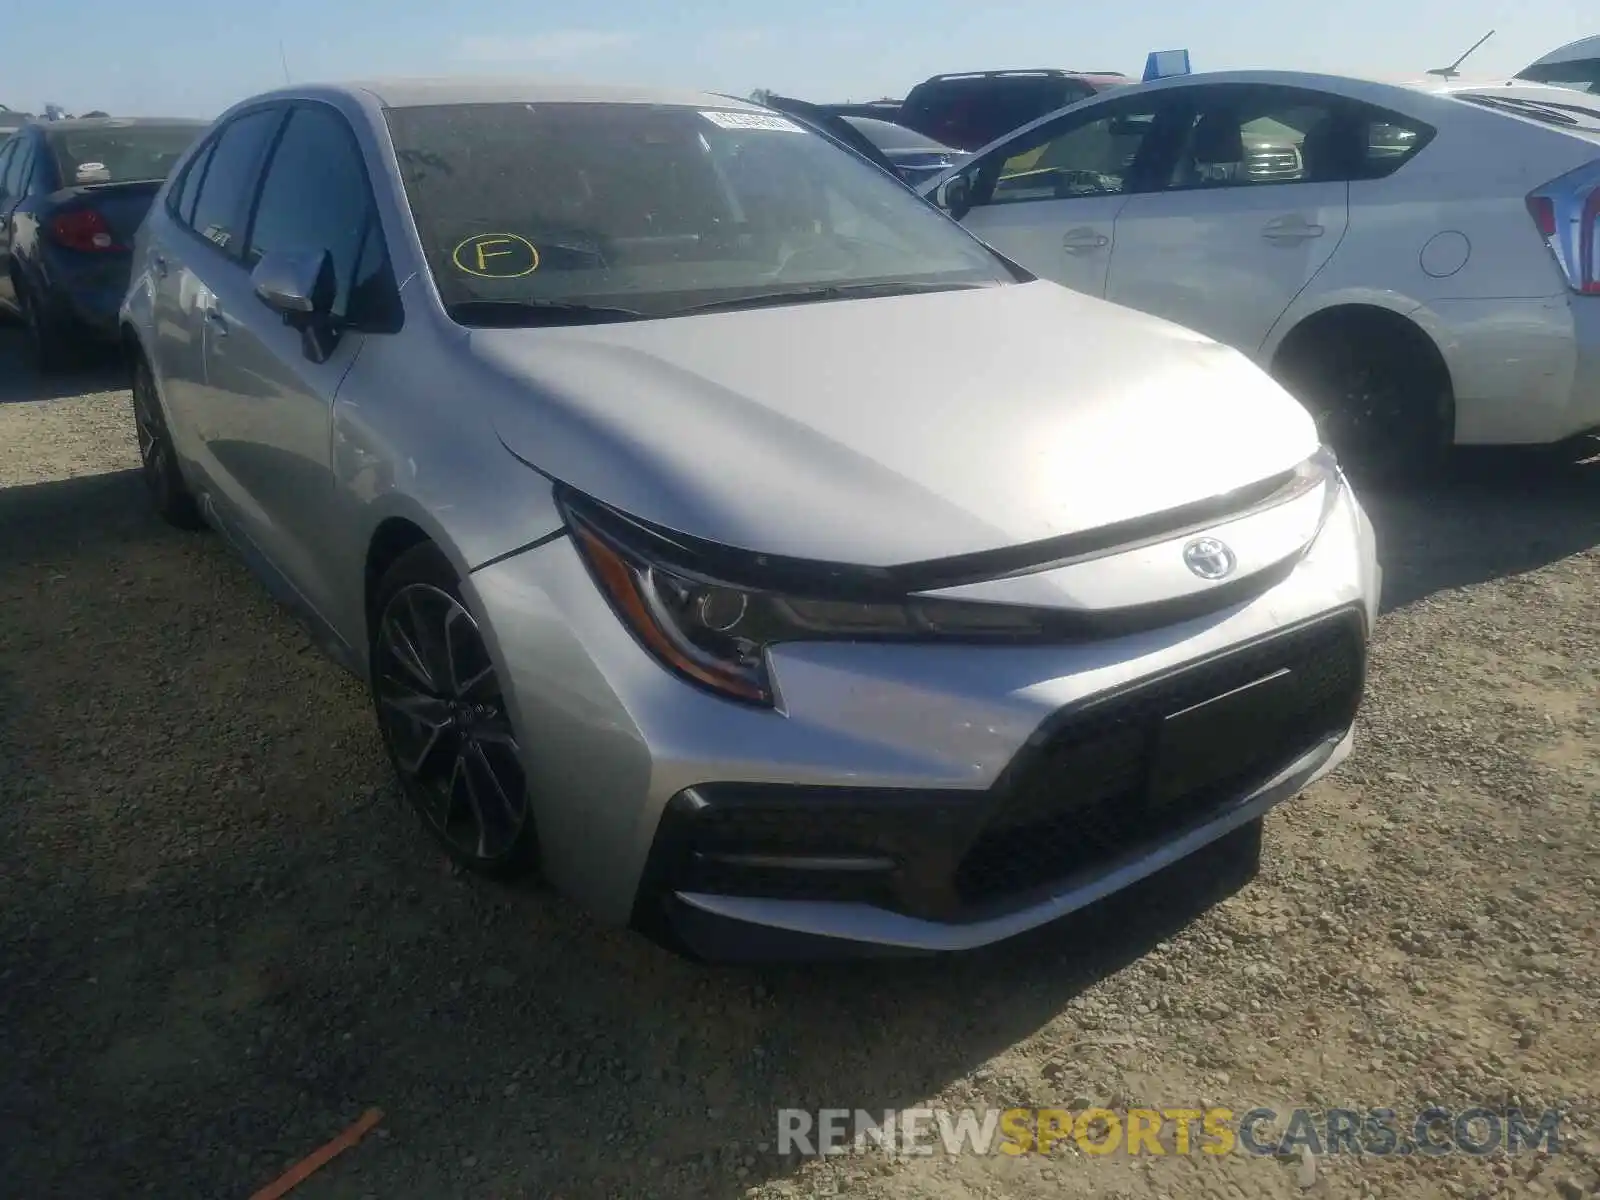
(408, 445)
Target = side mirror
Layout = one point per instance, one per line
(954, 195)
(300, 287)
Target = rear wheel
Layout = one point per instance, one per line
(158, 461)
(50, 339)
(443, 717)
(1378, 391)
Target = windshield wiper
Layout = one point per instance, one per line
(524, 314)
(1540, 110)
(827, 291)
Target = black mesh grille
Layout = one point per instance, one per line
(1072, 802)
(1079, 800)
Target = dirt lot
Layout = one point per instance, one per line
(221, 940)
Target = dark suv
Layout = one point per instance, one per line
(968, 111)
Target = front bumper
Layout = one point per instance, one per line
(718, 927)
(931, 766)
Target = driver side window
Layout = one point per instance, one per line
(1079, 157)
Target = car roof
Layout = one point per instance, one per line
(963, 80)
(1382, 93)
(417, 93)
(74, 123)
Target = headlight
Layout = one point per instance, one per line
(715, 634)
(1321, 469)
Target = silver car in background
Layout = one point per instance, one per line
(724, 531)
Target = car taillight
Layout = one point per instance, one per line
(1543, 211)
(1566, 212)
(83, 229)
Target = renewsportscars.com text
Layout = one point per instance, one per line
(1380, 1132)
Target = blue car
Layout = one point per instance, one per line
(72, 194)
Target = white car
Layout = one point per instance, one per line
(1416, 265)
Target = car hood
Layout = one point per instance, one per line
(893, 430)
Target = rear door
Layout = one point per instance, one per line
(175, 350)
(270, 407)
(201, 239)
(1049, 198)
(1250, 207)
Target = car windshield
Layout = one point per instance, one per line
(630, 210)
(120, 153)
(1580, 74)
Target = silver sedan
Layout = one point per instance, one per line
(726, 533)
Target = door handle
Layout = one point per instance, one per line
(1082, 241)
(159, 263)
(1289, 229)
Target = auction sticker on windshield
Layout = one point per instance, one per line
(740, 120)
(496, 256)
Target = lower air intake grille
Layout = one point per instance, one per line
(1089, 793)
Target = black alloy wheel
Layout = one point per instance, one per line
(444, 719)
(158, 462)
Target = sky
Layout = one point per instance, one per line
(183, 58)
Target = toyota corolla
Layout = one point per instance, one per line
(727, 534)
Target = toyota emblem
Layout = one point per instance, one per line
(1209, 558)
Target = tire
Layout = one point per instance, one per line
(158, 461)
(50, 339)
(1382, 401)
(443, 718)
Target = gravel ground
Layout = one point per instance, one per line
(221, 940)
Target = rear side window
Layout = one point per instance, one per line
(1386, 142)
(181, 202)
(315, 197)
(230, 179)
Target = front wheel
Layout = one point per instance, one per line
(444, 719)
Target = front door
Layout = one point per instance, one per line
(1252, 206)
(269, 406)
(1050, 197)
